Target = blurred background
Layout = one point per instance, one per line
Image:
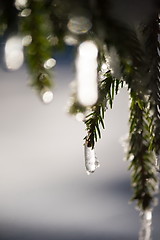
(45, 192)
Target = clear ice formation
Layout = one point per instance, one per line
(91, 162)
(146, 225)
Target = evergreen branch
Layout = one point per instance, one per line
(131, 55)
(96, 117)
(152, 47)
(142, 159)
(37, 25)
(127, 45)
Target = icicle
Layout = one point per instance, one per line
(146, 225)
(91, 162)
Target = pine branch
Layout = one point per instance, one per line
(107, 88)
(38, 26)
(131, 55)
(142, 158)
(127, 45)
(152, 47)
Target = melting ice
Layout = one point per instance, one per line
(146, 227)
(91, 162)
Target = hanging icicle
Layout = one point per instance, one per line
(146, 225)
(91, 162)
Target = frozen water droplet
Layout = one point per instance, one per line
(146, 225)
(91, 162)
(47, 96)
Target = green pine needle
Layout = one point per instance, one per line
(141, 157)
(38, 25)
(152, 46)
(107, 90)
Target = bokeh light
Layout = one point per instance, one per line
(47, 96)
(79, 24)
(14, 56)
(51, 62)
(86, 66)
